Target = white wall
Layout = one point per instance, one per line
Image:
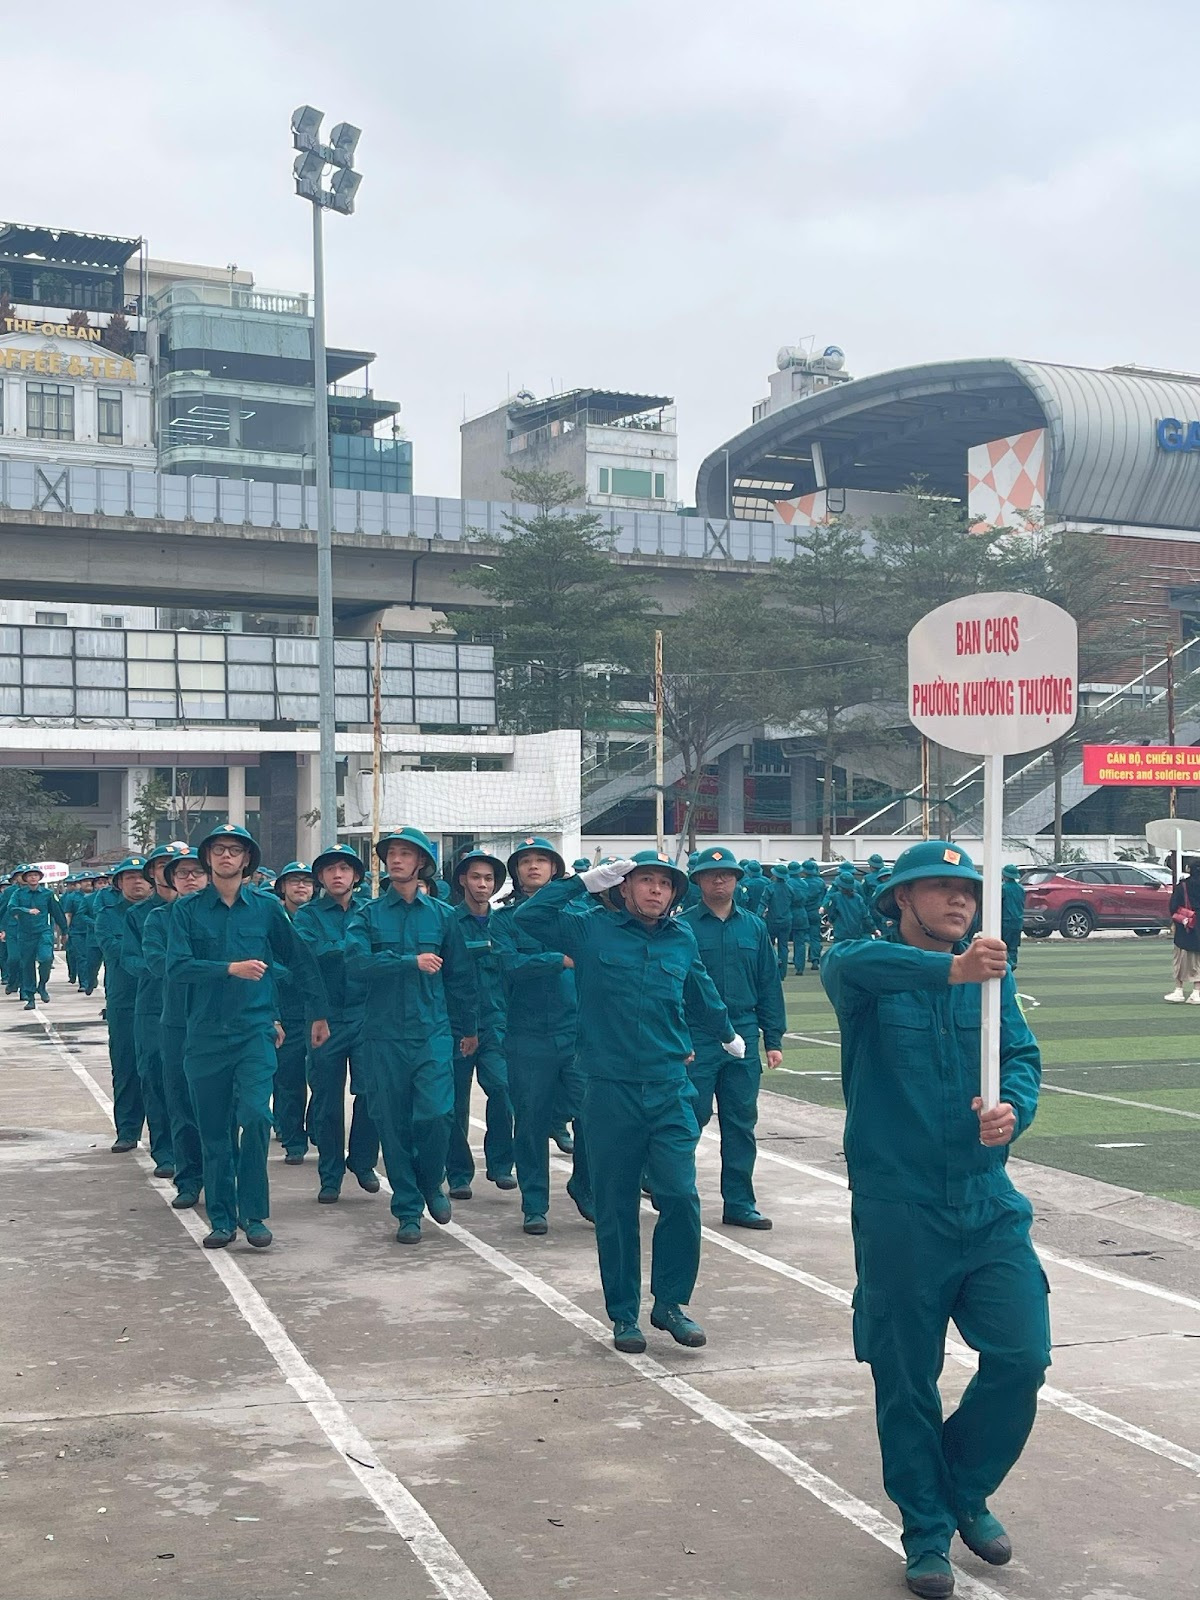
(538, 792)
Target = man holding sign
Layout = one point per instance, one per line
(940, 1232)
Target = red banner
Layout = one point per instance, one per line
(1137, 764)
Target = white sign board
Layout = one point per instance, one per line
(1170, 833)
(994, 674)
(51, 871)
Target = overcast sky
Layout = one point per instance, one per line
(647, 194)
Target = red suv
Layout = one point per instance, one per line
(1077, 899)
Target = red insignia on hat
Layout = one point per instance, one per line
(952, 856)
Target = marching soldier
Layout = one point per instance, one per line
(737, 955)
(408, 966)
(323, 924)
(939, 1230)
(477, 877)
(225, 942)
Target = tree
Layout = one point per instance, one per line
(718, 677)
(117, 336)
(31, 827)
(1077, 570)
(153, 798)
(825, 638)
(79, 319)
(566, 613)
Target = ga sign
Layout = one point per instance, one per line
(1172, 434)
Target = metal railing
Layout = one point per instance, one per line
(1111, 714)
(57, 491)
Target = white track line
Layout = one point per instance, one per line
(962, 1355)
(1114, 1100)
(1101, 1274)
(449, 1572)
(830, 1494)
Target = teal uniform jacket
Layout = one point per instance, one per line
(401, 1003)
(738, 957)
(631, 981)
(939, 1231)
(540, 996)
(1012, 912)
(120, 985)
(757, 889)
(477, 936)
(639, 1105)
(99, 901)
(148, 995)
(849, 915)
(155, 938)
(910, 1069)
(29, 915)
(323, 926)
(798, 889)
(205, 936)
(778, 906)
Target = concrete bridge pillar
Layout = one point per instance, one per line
(731, 792)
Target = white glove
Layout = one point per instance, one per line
(735, 1047)
(606, 876)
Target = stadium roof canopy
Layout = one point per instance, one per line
(1105, 461)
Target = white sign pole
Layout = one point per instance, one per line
(993, 826)
(993, 675)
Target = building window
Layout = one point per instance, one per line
(50, 411)
(50, 619)
(631, 481)
(108, 621)
(660, 486)
(604, 480)
(108, 417)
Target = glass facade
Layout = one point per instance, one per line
(54, 671)
(361, 462)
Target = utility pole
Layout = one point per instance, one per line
(377, 746)
(1171, 711)
(659, 828)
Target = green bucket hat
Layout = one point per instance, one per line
(932, 858)
(230, 830)
(336, 853)
(715, 859)
(468, 856)
(413, 836)
(659, 859)
(294, 869)
(130, 864)
(1011, 873)
(176, 857)
(534, 841)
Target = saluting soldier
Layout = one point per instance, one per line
(737, 955)
(639, 1105)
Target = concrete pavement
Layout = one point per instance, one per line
(340, 1415)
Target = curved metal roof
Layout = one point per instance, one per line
(1104, 460)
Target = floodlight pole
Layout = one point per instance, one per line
(327, 734)
(309, 169)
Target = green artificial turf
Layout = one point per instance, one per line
(1097, 1009)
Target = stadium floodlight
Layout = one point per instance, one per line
(309, 173)
(306, 127)
(342, 191)
(343, 142)
(309, 169)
